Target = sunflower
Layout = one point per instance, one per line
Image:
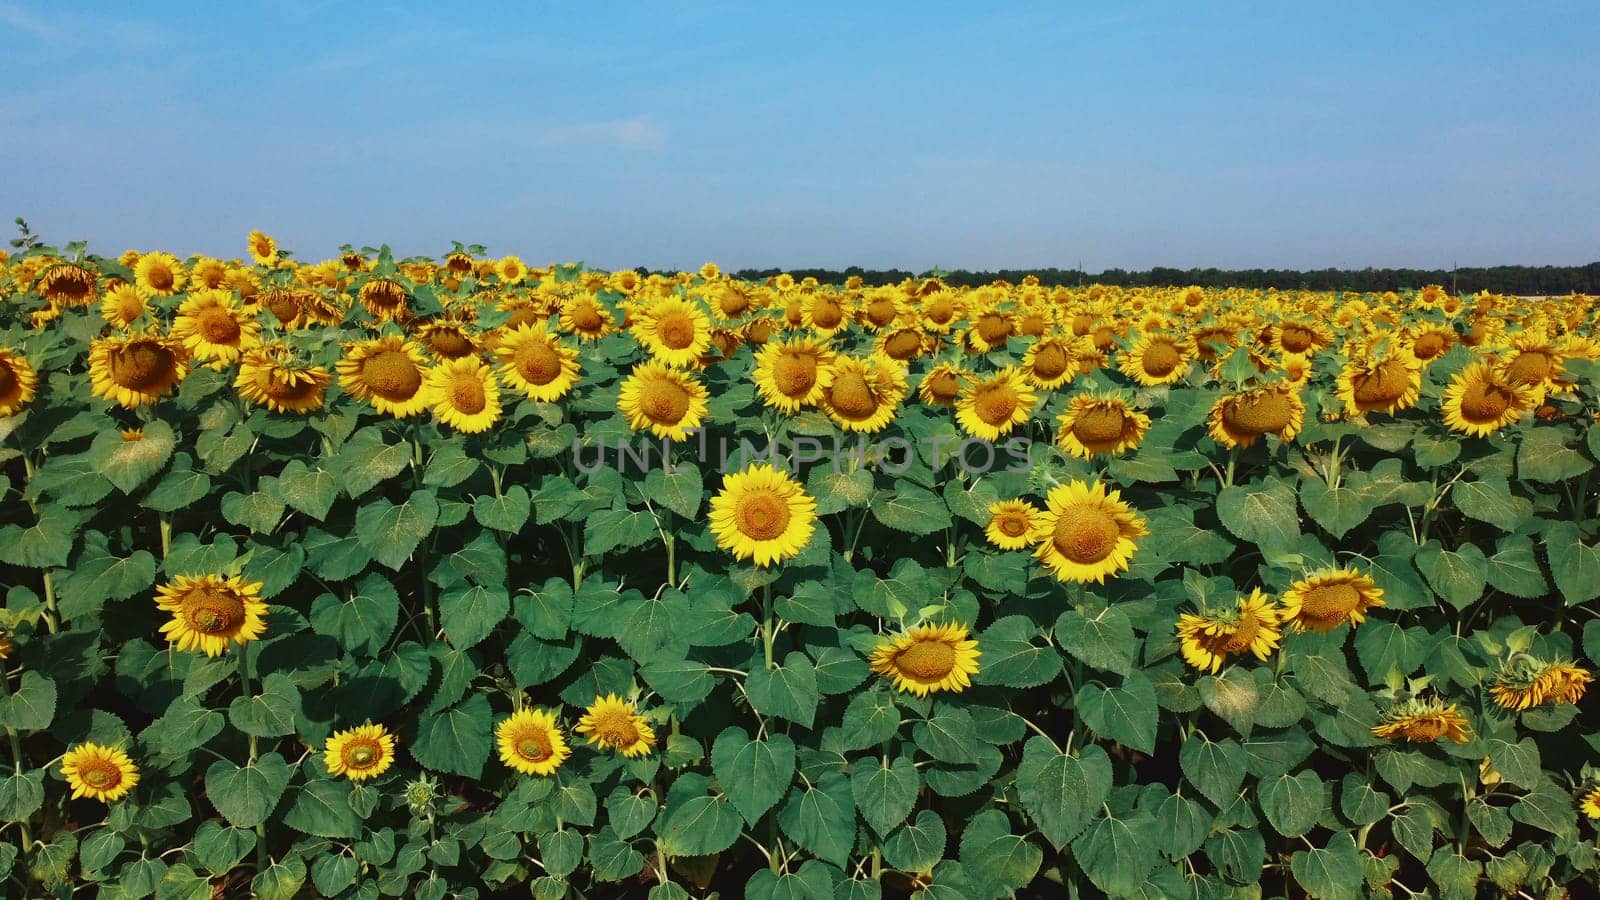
(762, 513)
(993, 407)
(1429, 342)
(1301, 336)
(1239, 420)
(1328, 598)
(1086, 532)
(585, 317)
(864, 392)
(531, 742)
(666, 402)
(388, 372)
(942, 384)
(1590, 805)
(359, 753)
(794, 373)
(269, 375)
(1208, 639)
(1387, 385)
(612, 722)
(1155, 359)
(1564, 682)
(511, 269)
(446, 339)
(1479, 401)
(67, 285)
(536, 362)
(730, 301)
(1533, 362)
(214, 329)
(18, 382)
(1049, 363)
(939, 311)
(1095, 425)
(136, 369)
(209, 274)
(675, 331)
(880, 309)
(928, 659)
(385, 298)
(1012, 524)
(990, 329)
(159, 274)
(902, 344)
(1423, 721)
(826, 314)
(263, 249)
(463, 394)
(211, 611)
(123, 305)
(98, 771)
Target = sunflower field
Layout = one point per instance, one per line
(456, 577)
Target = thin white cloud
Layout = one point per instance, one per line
(635, 132)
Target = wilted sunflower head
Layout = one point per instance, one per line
(67, 285)
(1424, 721)
(385, 298)
(928, 658)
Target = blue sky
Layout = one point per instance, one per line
(1021, 135)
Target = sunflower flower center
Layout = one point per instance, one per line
(467, 394)
(1428, 346)
(1259, 413)
(664, 401)
(763, 515)
(1385, 384)
(218, 326)
(1161, 358)
(1485, 401)
(129, 305)
(903, 344)
(160, 277)
(995, 403)
(1050, 361)
(8, 379)
(392, 375)
(361, 755)
(881, 312)
(676, 330)
(1329, 604)
(1529, 367)
(1240, 634)
(585, 317)
(1100, 424)
(1012, 524)
(826, 313)
(1296, 338)
(100, 775)
(283, 304)
(615, 728)
(851, 396)
(534, 746)
(927, 660)
(1086, 535)
(538, 362)
(213, 611)
(944, 386)
(940, 310)
(449, 343)
(795, 373)
(993, 328)
(141, 364)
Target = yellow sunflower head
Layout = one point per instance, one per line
(1241, 419)
(67, 285)
(536, 362)
(18, 382)
(270, 376)
(388, 372)
(1590, 804)
(1050, 362)
(903, 343)
(210, 612)
(990, 408)
(511, 269)
(662, 400)
(359, 753)
(1100, 426)
(263, 249)
(613, 723)
(763, 514)
(827, 312)
(447, 338)
(136, 369)
(1326, 599)
(463, 394)
(213, 328)
(1012, 524)
(531, 742)
(584, 316)
(1386, 384)
(942, 384)
(98, 771)
(928, 658)
(863, 393)
(1479, 401)
(160, 274)
(674, 330)
(1155, 359)
(123, 305)
(1429, 342)
(1423, 721)
(1086, 532)
(990, 328)
(1207, 639)
(794, 373)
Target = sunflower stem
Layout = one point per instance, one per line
(768, 634)
(16, 754)
(244, 688)
(166, 534)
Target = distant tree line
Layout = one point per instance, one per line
(1497, 279)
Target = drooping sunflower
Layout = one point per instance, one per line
(1328, 598)
(531, 742)
(613, 723)
(863, 393)
(928, 658)
(990, 408)
(359, 753)
(662, 400)
(1429, 342)
(209, 612)
(1239, 420)
(446, 338)
(1423, 721)
(1012, 524)
(1301, 336)
(387, 372)
(585, 317)
(271, 376)
(214, 329)
(136, 369)
(464, 394)
(123, 305)
(66, 285)
(1086, 532)
(794, 373)
(1049, 362)
(1100, 425)
(159, 273)
(1385, 384)
(18, 382)
(1479, 401)
(1564, 682)
(942, 384)
(98, 771)
(762, 513)
(990, 328)
(903, 343)
(673, 330)
(1207, 639)
(536, 362)
(385, 298)
(1156, 359)
(1524, 682)
(263, 249)
(1533, 361)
